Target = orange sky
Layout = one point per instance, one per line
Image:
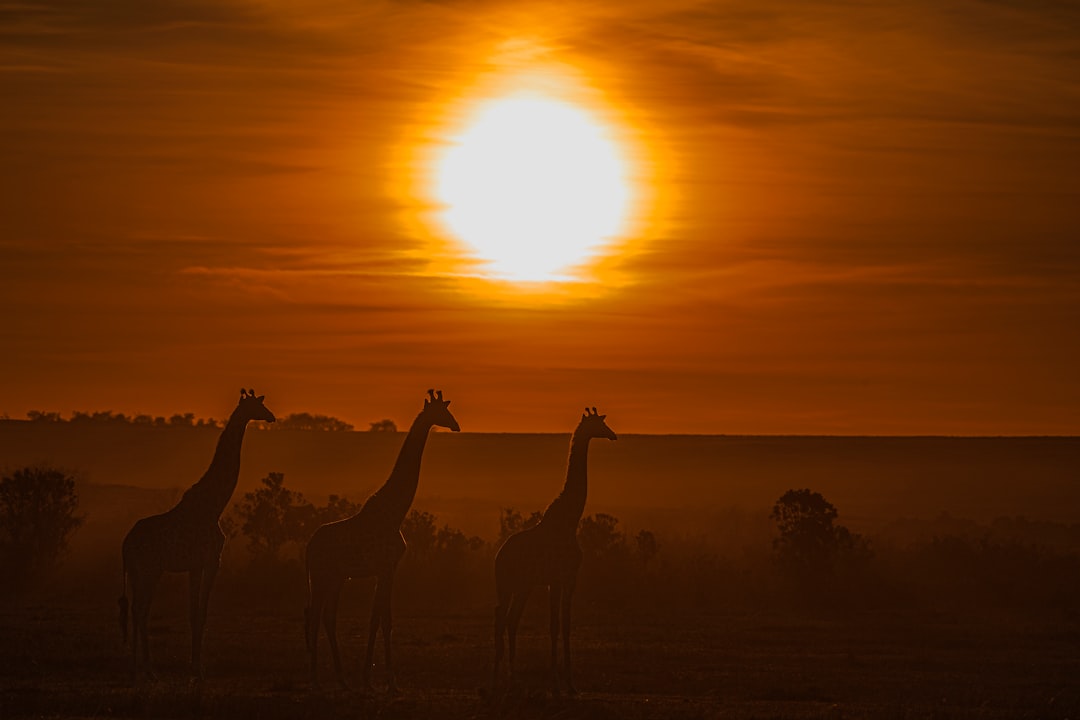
(872, 220)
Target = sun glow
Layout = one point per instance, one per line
(535, 188)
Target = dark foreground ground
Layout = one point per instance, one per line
(69, 662)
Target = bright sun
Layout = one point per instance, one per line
(534, 187)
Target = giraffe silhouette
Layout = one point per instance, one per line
(368, 544)
(186, 539)
(547, 554)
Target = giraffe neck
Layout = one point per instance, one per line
(566, 510)
(211, 494)
(396, 495)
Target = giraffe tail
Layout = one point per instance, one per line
(122, 603)
(309, 612)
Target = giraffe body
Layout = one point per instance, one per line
(547, 555)
(368, 544)
(170, 542)
(187, 538)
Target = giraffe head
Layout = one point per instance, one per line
(436, 411)
(592, 425)
(252, 406)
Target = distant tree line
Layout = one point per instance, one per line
(293, 421)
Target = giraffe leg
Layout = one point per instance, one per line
(385, 590)
(135, 597)
(209, 575)
(567, 596)
(373, 629)
(500, 628)
(142, 594)
(554, 596)
(329, 617)
(316, 602)
(195, 579)
(517, 607)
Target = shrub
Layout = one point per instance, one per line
(37, 518)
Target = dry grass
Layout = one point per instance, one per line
(69, 662)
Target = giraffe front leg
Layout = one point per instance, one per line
(500, 628)
(554, 596)
(330, 623)
(373, 629)
(209, 574)
(136, 592)
(313, 618)
(383, 597)
(568, 594)
(142, 593)
(195, 580)
(517, 607)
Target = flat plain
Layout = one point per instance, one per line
(68, 661)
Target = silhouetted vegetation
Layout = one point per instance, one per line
(976, 609)
(294, 421)
(275, 518)
(37, 518)
(384, 425)
(313, 423)
(810, 545)
(512, 521)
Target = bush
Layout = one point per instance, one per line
(511, 521)
(37, 518)
(274, 518)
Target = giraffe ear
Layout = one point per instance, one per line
(261, 398)
(446, 404)
(603, 417)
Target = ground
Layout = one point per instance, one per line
(67, 660)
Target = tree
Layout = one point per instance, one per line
(273, 516)
(511, 521)
(600, 536)
(40, 416)
(808, 540)
(337, 508)
(307, 421)
(37, 518)
(646, 546)
(384, 425)
(418, 529)
(453, 542)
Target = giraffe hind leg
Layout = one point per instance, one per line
(313, 615)
(500, 629)
(554, 598)
(517, 607)
(329, 617)
(142, 593)
(383, 598)
(568, 594)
